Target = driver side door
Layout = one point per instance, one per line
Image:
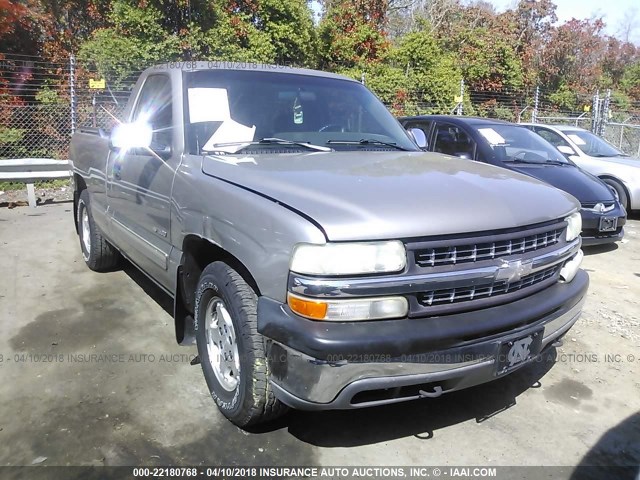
(140, 181)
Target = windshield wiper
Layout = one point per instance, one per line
(367, 141)
(271, 141)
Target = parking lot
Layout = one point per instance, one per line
(91, 375)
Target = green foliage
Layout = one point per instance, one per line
(48, 96)
(135, 41)
(266, 31)
(11, 145)
(564, 98)
(10, 135)
(631, 80)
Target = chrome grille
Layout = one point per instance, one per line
(593, 204)
(474, 252)
(468, 293)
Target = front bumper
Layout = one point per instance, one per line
(320, 365)
(591, 235)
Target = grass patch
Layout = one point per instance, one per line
(56, 183)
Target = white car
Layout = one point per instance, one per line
(598, 157)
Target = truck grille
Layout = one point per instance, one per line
(474, 252)
(468, 293)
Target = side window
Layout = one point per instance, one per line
(154, 106)
(452, 140)
(552, 137)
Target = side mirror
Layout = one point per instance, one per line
(129, 136)
(419, 136)
(137, 139)
(565, 149)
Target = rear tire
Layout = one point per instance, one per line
(622, 192)
(231, 350)
(98, 254)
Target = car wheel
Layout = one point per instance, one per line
(622, 192)
(231, 350)
(98, 254)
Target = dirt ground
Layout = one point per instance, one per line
(91, 375)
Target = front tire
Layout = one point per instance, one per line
(231, 350)
(98, 254)
(622, 192)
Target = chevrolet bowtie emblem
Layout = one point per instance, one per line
(512, 271)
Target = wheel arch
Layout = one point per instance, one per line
(619, 181)
(79, 186)
(197, 253)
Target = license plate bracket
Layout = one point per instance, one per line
(608, 224)
(514, 353)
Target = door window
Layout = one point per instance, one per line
(154, 107)
(552, 137)
(425, 126)
(453, 140)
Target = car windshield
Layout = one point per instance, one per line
(512, 143)
(232, 110)
(592, 145)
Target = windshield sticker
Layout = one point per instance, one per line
(493, 137)
(208, 105)
(576, 139)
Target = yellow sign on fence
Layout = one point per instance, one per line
(98, 84)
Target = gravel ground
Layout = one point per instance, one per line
(580, 405)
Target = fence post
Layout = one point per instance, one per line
(362, 79)
(604, 118)
(72, 91)
(459, 109)
(536, 100)
(595, 112)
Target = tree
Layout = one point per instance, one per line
(352, 32)
(573, 56)
(143, 33)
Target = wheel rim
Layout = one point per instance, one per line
(86, 232)
(221, 344)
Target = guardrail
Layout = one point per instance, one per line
(31, 170)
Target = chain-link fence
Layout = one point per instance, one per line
(41, 103)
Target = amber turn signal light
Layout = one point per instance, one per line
(307, 308)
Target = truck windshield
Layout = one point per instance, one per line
(511, 143)
(233, 110)
(592, 145)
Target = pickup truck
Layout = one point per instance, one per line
(315, 255)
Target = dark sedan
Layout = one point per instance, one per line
(514, 147)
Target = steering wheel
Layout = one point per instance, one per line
(332, 127)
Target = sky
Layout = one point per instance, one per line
(614, 12)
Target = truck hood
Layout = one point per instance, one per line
(582, 185)
(385, 195)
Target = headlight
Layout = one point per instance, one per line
(574, 226)
(374, 308)
(615, 193)
(348, 258)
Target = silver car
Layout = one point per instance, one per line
(598, 157)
